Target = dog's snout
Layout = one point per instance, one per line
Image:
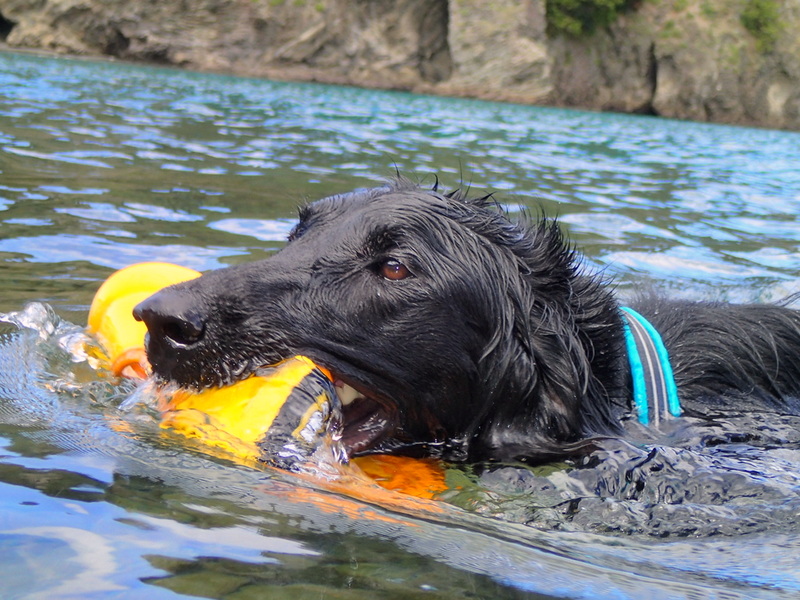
(167, 320)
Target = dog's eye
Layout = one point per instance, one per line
(393, 270)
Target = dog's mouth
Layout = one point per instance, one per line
(366, 422)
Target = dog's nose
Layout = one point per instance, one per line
(170, 318)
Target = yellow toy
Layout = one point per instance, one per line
(276, 416)
(111, 314)
(235, 418)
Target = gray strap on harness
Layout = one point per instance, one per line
(655, 395)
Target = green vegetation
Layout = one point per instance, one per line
(708, 9)
(578, 18)
(669, 30)
(762, 19)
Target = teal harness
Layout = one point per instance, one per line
(655, 396)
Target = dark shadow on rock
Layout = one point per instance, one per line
(6, 26)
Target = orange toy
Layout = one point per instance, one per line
(236, 417)
(420, 477)
(292, 401)
(240, 417)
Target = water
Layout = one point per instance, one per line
(104, 164)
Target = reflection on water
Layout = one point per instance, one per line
(103, 165)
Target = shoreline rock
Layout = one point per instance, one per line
(697, 62)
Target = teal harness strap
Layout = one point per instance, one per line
(655, 395)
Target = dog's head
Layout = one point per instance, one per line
(449, 329)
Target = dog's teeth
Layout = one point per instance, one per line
(347, 393)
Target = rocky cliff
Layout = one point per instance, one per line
(689, 60)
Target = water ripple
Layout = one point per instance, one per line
(106, 164)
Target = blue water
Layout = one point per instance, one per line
(104, 164)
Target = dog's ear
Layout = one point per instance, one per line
(547, 362)
(546, 373)
(535, 379)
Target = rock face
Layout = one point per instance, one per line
(696, 62)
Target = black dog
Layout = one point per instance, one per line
(464, 335)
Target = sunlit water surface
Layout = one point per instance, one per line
(103, 165)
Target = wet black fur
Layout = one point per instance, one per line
(500, 345)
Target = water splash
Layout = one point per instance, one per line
(699, 479)
(651, 490)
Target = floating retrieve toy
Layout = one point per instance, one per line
(111, 313)
(278, 416)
